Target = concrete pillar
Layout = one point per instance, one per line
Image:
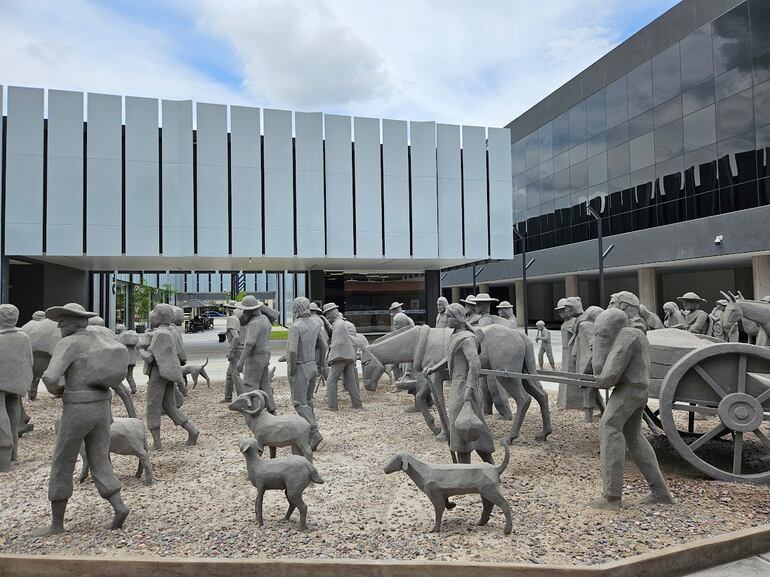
(760, 266)
(432, 292)
(484, 287)
(455, 294)
(648, 295)
(571, 285)
(519, 284)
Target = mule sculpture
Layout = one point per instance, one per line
(739, 309)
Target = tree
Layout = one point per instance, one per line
(142, 302)
(240, 296)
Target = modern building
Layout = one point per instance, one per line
(117, 202)
(667, 138)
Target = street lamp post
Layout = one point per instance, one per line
(524, 266)
(602, 253)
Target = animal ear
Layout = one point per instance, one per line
(246, 444)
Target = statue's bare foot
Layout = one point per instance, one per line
(662, 498)
(605, 504)
(45, 531)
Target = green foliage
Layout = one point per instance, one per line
(142, 302)
(240, 296)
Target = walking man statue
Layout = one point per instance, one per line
(342, 355)
(254, 362)
(15, 376)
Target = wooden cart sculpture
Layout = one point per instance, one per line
(710, 400)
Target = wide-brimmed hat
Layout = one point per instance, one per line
(395, 305)
(231, 305)
(561, 304)
(484, 298)
(249, 303)
(504, 305)
(469, 300)
(690, 296)
(329, 307)
(315, 308)
(69, 310)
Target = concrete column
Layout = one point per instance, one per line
(519, 284)
(571, 285)
(483, 288)
(432, 292)
(648, 295)
(455, 294)
(760, 266)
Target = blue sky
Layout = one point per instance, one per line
(447, 60)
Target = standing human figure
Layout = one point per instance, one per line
(464, 365)
(471, 314)
(130, 340)
(544, 338)
(441, 305)
(165, 370)
(728, 334)
(90, 364)
(569, 309)
(342, 355)
(621, 360)
(505, 312)
(15, 376)
(37, 316)
(306, 344)
(672, 315)
(233, 336)
(628, 302)
(316, 316)
(255, 356)
(397, 319)
(491, 391)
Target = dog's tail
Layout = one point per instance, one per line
(502, 466)
(206, 363)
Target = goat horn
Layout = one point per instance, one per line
(732, 296)
(724, 294)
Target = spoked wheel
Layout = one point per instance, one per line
(729, 385)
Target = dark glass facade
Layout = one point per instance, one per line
(685, 135)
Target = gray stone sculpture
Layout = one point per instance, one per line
(439, 482)
(290, 474)
(650, 318)
(441, 304)
(581, 348)
(270, 430)
(672, 316)
(546, 349)
(90, 365)
(739, 309)
(37, 316)
(722, 328)
(629, 303)
(255, 357)
(569, 309)
(196, 371)
(696, 321)
(15, 376)
(127, 437)
(161, 357)
(491, 391)
(471, 311)
(130, 340)
(305, 357)
(317, 316)
(621, 359)
(463, 362)
(342, 355)
(394, 309)
(97, 324)
(505, 312)
(233, 335)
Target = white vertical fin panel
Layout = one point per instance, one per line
(177, 178)
(475, 192)
(24, 172)
(64, 200)
(104, 195)
(500, 194)
(246, 179)
(212, 198)
(450, 205)
(310, 183)
(424, 195)
(368, 188)
(142, 177)
(279, 191)
(395, 167)
(339, 186)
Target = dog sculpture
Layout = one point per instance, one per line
(127, 437)
(439, 482)
(290, 474)
(196, 371)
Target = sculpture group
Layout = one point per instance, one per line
(484, 359)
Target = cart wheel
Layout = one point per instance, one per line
(730, 384)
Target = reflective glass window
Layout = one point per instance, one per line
(666, 75)
(532, 175)
(577, 124)
(546, 168)
(561, 133)
(596, 119)
(617, 135)
(762, 104)
(519, 181)
(640, 89)
(700, 96)
(520, 200)
(616, 95)
(668, 111)
(761, 66)
(532, 150)
(597, 169)
(533, 195)
(547, 193)
(561, 183)
(668, 141)
(596, 145)
(737, 159)
(578, 176)
(730, 34)
(642, 151)
(759, 11)
(732, 81)
(617, 161)
(701, 168)
(734, 115)
(519, 156)
(577, 154)
(618, 184)
(640, 125)
(697, 57)
(763, 151)
(700, 129)
(545, 139)
(561, 162)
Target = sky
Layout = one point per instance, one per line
(473, 62)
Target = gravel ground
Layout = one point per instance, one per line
(202, 503)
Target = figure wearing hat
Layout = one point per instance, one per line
(471, 314)
(505, 312)
(727, 334)
(90, 365)
(15, 376)
(544, 338)
(491, 391)
(232, 334)
(569, 309)
(254, 362)
(696, 320)
(396, 308)
(628, 302)
(161, 359)
(342, 355)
